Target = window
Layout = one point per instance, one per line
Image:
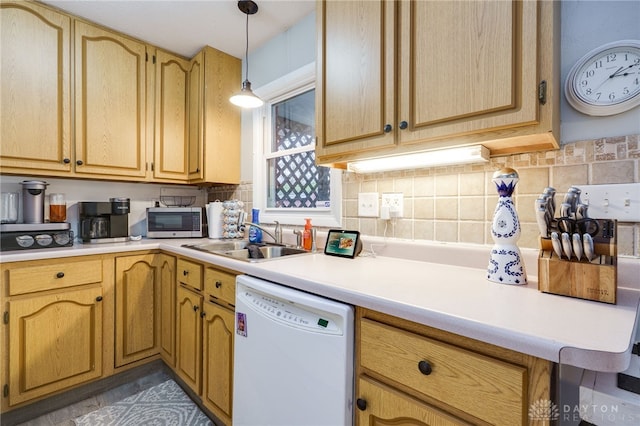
(288, 186)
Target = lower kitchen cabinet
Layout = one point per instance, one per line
(53, 334)
(379, 404)
(144, 307)
(407, 370)
(217, 359)
(188, 337)
(204, 334)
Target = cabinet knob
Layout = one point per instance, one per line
(99, 299)
(185, 273)
(202, 314)
(218, 284)
(403, 125)
(424, 367)
(79, 162)
(66, 160)
(60, 275)
(195, 308)
(387, 128)
(361, 404)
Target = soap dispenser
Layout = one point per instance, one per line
(255, 233)
(307, 240)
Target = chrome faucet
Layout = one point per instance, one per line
(277, 232)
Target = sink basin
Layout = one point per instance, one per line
(242, 250)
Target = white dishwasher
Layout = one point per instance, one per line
(293, 357)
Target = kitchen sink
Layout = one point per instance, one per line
(248, 252)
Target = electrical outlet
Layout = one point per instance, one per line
(393, 200)
(368, 204)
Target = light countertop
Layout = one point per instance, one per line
(427, 283)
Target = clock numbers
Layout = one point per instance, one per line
(606, 80)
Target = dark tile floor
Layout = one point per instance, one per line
(65, 416)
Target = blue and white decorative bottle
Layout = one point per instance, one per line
(506, 265)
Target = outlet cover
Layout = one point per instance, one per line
(368, 204)
(394, 201)
(612, 201)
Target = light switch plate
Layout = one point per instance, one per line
(612, 201)
(368, 204)
(394, 201)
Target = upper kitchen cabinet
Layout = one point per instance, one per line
(405, 76)
(214, 123)
(171, 140)
(36, 89)
(110, 103)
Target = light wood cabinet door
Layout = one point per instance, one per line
(379, 405)
(481, 75)
(195, 96)
(137, 309)
(171, 145)
(55, 341)
(402, 76)
(166, 275)
(110, 103)
(355, 101)
(35, 134)
(189, 337)
(215, 126)
(217, 360)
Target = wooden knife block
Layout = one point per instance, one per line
(596, 280)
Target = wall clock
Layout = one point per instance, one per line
(606, 81)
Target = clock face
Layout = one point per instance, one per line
(606, 81)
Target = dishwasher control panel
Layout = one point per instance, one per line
(298, 316)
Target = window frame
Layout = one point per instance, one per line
(296, 82)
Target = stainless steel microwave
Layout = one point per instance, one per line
(175, 222)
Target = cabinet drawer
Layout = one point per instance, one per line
(487, 388)
(221, 285)
(34, 277)
(189, 273)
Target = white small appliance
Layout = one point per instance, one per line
(293, 353)
(175, 222)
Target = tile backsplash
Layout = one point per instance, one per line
(456, 203)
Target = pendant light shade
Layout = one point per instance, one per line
(245, 98)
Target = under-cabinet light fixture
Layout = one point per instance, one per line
(441, 157)
(245, 98)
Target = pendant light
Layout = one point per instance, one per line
(245, 98)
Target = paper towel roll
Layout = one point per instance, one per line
(215, 219)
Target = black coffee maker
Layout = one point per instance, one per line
(104, 221)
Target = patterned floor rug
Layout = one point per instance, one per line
(165, 404)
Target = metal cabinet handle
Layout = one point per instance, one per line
(185, 273)
(99, 299)
(403, 125)
(66, 161)
(202, 314)
(361, 404)
(424, 367)
(195, 308)
(218, 284)
(387, 128)
(79, 162)
(60, 275)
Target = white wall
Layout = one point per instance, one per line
(142, 195)
(585, 24)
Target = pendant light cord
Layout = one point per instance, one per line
(246, 50)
